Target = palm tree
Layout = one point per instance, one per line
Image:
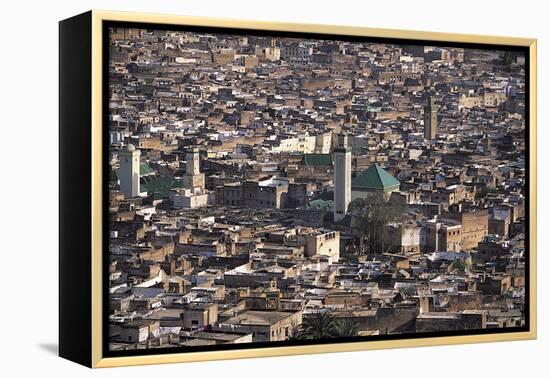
(457, 264)
(320, 326)
(295, 331)
(345, 328)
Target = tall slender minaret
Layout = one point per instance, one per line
(129, 171)
(193, 178)
(430, 119)
(193, 162)
(342, 177)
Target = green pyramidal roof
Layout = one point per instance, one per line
(159, 186)
(144, 169)
(375, 177)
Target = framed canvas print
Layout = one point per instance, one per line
(235, 189)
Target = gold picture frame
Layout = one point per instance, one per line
(92, 294)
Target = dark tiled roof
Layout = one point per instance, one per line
(317, 160)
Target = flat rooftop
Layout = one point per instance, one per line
(218, 336)
(258, 317)
(439, 315)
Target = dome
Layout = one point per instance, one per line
(130, 147)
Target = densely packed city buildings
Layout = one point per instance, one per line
(270, 189)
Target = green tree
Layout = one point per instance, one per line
(371, 217)
(295, 332)
(483, 191)
(319, 326)
(323, 326)
(458, 264)
(507, 58)
(345, 328)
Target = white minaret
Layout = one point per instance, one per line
(342, 177)
(129, 171)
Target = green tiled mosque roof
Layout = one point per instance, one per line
(145, 169)
(160, 186)
(375, 177)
